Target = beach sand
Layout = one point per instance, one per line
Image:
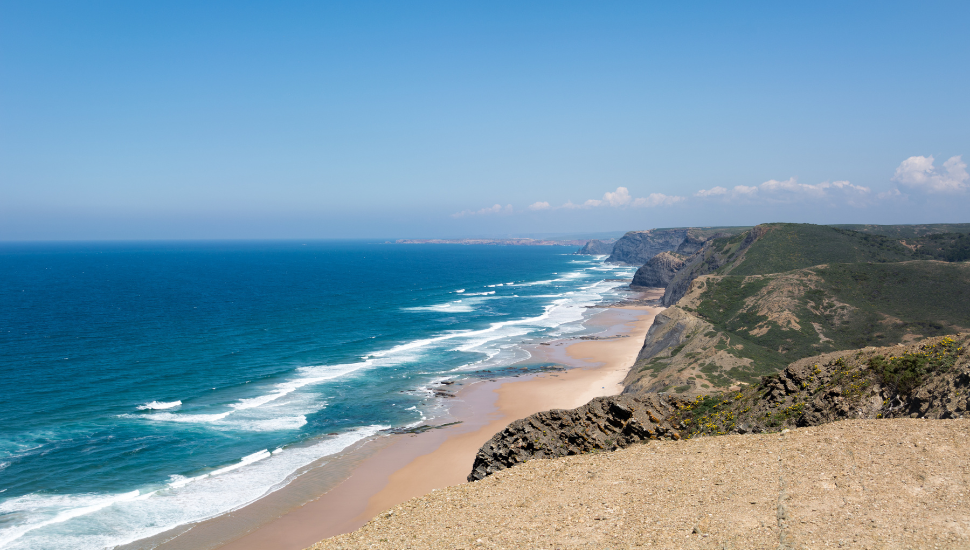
(387, 471)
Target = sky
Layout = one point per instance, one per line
(299, 120)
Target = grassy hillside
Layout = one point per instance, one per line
(749, 304)
(839, 306)
(948, 247)
(781, 247)
(899, 232)
(732, 328)
(788, 246)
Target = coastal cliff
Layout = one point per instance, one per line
(596, 247)
(605, 423)
(637, 247)
(658, 271)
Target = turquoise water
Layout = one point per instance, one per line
(147, 386)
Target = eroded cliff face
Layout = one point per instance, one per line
(605, 423)
(659, 271)
(596, 247)
(637, 247)
(714, 255)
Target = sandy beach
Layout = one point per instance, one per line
(387, 471)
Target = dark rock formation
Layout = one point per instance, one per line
(692, 243)
(707, 260)
(637, 247)
(658, 271)
(597, 247)
(605, 423)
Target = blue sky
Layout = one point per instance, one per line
(161, 120)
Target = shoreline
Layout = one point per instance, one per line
(342, 492)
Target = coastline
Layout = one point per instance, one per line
(379, 473)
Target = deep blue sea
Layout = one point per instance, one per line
(149, 385)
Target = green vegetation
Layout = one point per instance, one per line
(789, 246)
(788, 291)
(906, 372)
(852, 379)
(908, 231)
(853, 306)
(891, 300)
(947, 247)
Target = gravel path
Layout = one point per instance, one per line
(853, 484)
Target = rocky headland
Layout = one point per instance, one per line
(597, 247)
(658, 271)
(638, 247)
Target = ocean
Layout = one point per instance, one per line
(150, 385)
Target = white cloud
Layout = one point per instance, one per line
(657, 199)
(787, 191)
(919, 173)
(891, 194)
(712, 192)
(496, 209)
(620, 197)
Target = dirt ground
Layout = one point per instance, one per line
(853, 484)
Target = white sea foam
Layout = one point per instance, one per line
(534, 283)
(97, 521)
(159, 405)
(457, 306)
(176, 417)
(272, 424)
(459, 291)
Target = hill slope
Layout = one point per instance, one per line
(732, 329)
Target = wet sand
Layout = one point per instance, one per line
(387, 471)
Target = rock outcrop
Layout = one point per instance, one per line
(928, 379)
(708, 260)
(596, 247)
(605, 423)
(659, 271)
(693, 242)
(637, 247)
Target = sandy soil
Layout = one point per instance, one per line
(414, 465)
(853, 484)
